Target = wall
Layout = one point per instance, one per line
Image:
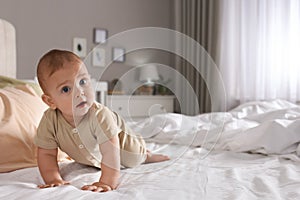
(45, 24)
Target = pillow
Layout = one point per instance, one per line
(6, 81)
(21, 109)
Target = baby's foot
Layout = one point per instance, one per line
(152, 158)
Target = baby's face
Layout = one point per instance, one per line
(71, 90)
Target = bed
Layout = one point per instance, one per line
(250, 152)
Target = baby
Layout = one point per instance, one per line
(87, 131)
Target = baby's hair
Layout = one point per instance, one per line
(51, 62)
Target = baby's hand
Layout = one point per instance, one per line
(54, 183)
(97, 187)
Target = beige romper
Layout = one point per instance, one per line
(82, 143)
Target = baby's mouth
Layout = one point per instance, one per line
(82, 104)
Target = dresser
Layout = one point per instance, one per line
(137, 107)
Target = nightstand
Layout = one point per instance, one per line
(137, 107)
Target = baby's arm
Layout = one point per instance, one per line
(110, 167)
(47, 162)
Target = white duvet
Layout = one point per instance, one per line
(251, 152)
(259, 127)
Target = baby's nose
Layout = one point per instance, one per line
(80, 93)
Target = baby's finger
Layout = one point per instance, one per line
(60, 184)
(98, 189)
(105, 188)
(56, 184)
(67, 183)
(89, 187)
(41, 186)
(44, 186)
(53, 185)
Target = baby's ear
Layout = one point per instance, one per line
(48, 101)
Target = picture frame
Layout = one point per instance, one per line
(118, 54)
(100, 35)
(98, 57)
(79, 47)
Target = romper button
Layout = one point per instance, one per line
(81, 146)
(75, 130)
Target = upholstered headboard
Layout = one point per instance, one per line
(8, 60)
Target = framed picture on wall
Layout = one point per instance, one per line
(118, 54)
(98, 59)
(100, 35)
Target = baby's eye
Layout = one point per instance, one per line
(65, 89)
(82, 82)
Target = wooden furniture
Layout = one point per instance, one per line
(137, 107)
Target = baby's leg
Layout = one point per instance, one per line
(133, 151)
(152, 158)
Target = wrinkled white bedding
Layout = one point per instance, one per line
(250, 152)
(258, 127)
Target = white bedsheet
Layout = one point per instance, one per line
(221, 175)
(227, 171)
(259, 127)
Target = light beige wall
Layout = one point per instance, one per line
(45, 24)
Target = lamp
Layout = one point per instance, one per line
(148, 74)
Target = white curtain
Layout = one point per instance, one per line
(259, 49)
